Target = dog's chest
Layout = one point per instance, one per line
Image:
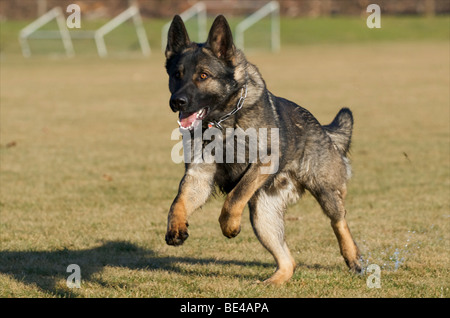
(228, 175)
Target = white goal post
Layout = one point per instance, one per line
(199, 10)
(31, 31)
(272, 8)
(131, 13)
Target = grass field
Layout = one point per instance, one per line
(86, 174)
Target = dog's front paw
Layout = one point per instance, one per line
(176, 235)
(230, 226)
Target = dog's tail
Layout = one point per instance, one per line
(340, 130)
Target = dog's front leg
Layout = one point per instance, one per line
(195, 188)
(237, 199)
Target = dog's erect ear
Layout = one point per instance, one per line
(177, 38)
(220, 39)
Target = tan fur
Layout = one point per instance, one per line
(348, 248)
(237, 199)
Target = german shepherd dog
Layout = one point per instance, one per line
(208, 83)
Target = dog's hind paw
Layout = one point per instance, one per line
(354, 266)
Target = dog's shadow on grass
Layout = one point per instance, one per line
(48, 269)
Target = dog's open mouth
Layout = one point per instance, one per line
(191, 120)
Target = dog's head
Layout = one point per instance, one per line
(201, 75)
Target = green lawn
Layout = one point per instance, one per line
(86, 174)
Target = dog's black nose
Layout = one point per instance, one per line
(178, 102)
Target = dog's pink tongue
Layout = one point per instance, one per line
(186, 119)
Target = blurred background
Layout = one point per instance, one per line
(327, 21)
(29, 9)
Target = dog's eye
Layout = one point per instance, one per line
(177, 75)
(204, 76)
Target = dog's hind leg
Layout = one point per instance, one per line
(332, 203)
(267, 217)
